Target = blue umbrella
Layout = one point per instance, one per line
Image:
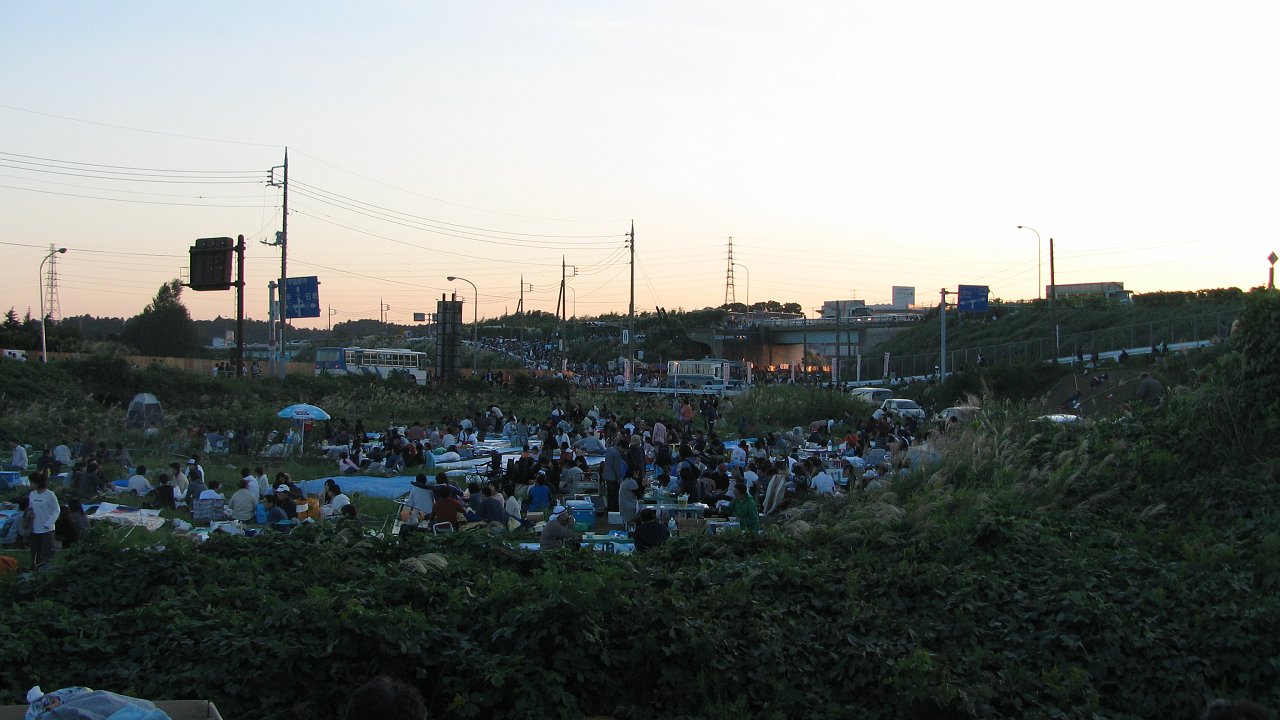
(300, 414)
(303, 412)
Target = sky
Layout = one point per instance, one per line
(846, 147)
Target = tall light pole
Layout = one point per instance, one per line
(575, 299)
(744, 267)
(44, 351)
(475, 322)
(1039, 283)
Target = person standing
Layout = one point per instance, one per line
(629, 496)
(612, 471)
(44, 509)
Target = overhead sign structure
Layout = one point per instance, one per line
(302, 297)
(211, 263)
(972, 298)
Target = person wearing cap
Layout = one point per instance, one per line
(285, 502)
(558, 532)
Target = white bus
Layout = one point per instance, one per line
(714, 372)
(383, 362)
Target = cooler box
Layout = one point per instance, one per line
(584, 514)
(10, 478)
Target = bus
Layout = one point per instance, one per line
(382, 362)
(710, 372)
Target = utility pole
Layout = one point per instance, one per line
(240, 306)
(282, 239)
(631, 313)
(520, 305)
(942, 312)
(1053, 305)
(730, 296)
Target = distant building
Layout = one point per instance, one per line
(832, 309)
(1109, 290)
(903, 297)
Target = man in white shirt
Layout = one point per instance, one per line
(44, 509)
(823, 483)
(138, 484)
(262, 483)
(211, 492)
(62, 453)
(19, 461)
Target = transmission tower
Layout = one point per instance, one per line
(729, 296)
(52, 310)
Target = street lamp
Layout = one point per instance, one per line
(475, 322)
(575, 299)
(744, 267)
(1039, 283)
(44, 351)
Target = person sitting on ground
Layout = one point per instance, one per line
(212, 492)
(744, 508)
(492, 510)
(285, 502)
(195, 481)
(346, 465)
(334, 499)
(275, 514)
(649, 533)
(558, 533)
(19, 457)
(383, 698)
(540, 494)
(822, 483)
(164, 492)
(72, 523)
(138, 484)
(447, 509)
(244, 502)
(261, 483)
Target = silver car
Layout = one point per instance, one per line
(901, 408)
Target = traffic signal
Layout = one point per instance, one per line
(211, 263)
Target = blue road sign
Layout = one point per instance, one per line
(972, 298)
(302, 297)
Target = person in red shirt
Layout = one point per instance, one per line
(447, 508)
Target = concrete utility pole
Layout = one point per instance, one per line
(631, 313)
(942, 312)
(282, 239)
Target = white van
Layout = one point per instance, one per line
(872, 395)
(19, 355)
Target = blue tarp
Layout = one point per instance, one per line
(367, 485)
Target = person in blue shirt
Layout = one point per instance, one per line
(274, 512)
(540, 494)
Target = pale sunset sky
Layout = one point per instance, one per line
(845, 146)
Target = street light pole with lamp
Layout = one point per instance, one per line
(475, 322)
(744, 267)
(44, 351)
(1039, 282)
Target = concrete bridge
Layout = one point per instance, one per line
(777, 342)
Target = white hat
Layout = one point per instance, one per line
(282, 488)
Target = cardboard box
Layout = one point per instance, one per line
(176, 709)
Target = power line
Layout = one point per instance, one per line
(125, 200)
(134, 129)
(439, 200)
(455, 225)
(28, 160)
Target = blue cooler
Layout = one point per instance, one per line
(10, 479)
(584, 514)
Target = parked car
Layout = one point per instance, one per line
(873, 395)
(962, 414)
(901, 409)
(19, 355)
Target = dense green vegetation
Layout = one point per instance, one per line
(1125, 568)
(1027, 330)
